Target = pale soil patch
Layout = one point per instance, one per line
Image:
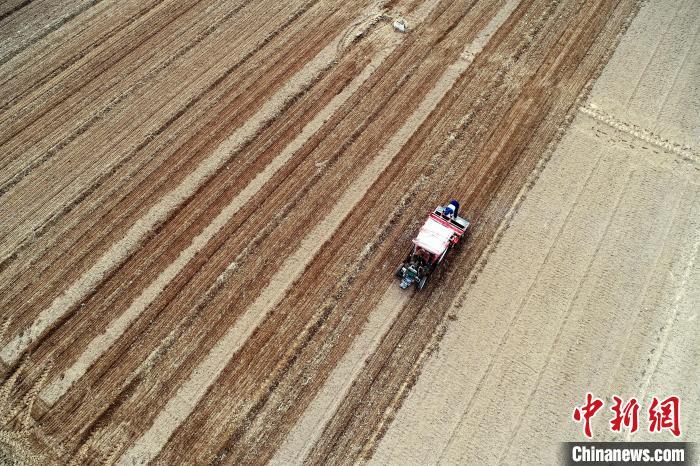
(562, 298)
(652, 79)
(593, 287)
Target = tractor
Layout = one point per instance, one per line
(442, 231)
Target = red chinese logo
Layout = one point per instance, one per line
(587, 411)
(663, 415)
(627, 415)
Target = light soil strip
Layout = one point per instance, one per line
(642, 134)
(191, 392)
(121, 250)
(100, 344)
(422, 12)
(310, 426)
(490, 29)
(682, 287)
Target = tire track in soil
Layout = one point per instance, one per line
(684, 152)
(502, 343)
(658, 257)
(457, 306)
(625, 25)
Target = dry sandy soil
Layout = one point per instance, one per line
(594, 284)
(202, 204)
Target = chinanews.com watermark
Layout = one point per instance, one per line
(624, 453)
(627, 417)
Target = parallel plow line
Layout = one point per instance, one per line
(132, 202)
(87, 98)
(186, 266)
(171, 222)
(65, 179)
(131, 174)
(284, 361)
(443, 157)
(209, 369)
(15, 8)
(53, 27)
(119, 325)
(392, 363)
(368, 341)
(121, 250)
(207, 325)
(20, 78)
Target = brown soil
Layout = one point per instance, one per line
(203, 203)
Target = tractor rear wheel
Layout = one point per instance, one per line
(399, 271)
(420, 284)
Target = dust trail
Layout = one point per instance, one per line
(183, 403)
(100, 344)
(122, 249)
(310, 426)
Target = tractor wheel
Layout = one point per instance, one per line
(399, 271)
(421, 283)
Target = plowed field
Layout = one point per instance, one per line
(202, 204)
